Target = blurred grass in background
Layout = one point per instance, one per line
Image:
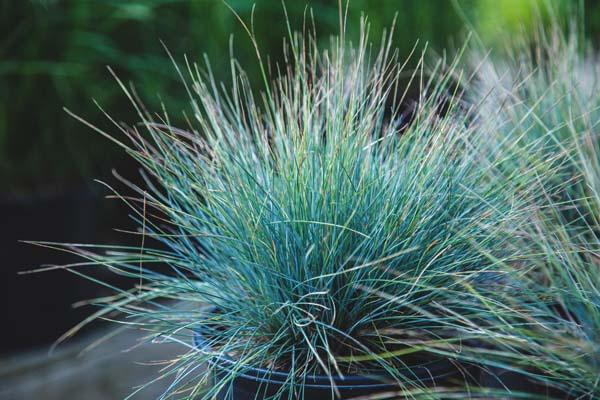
(54, 53)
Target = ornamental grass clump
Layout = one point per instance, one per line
(559, 301)
(312, 229)
(543, 101)
(542, 97)
(564, 268)
(568, 280)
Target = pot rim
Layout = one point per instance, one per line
(421, 373)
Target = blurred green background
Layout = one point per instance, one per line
(54, 53)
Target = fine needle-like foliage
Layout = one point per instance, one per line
(567, 279)
(313, 229)
(544, 97)
(559, 294)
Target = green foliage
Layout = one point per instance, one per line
(54, 54)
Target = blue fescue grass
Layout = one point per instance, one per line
(543, 95)
(332, 234)
(543, 101)
(569, 280)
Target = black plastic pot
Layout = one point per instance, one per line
(258, 383)
(515, 382)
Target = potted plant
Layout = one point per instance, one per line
(53, 53)
(318, 243)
